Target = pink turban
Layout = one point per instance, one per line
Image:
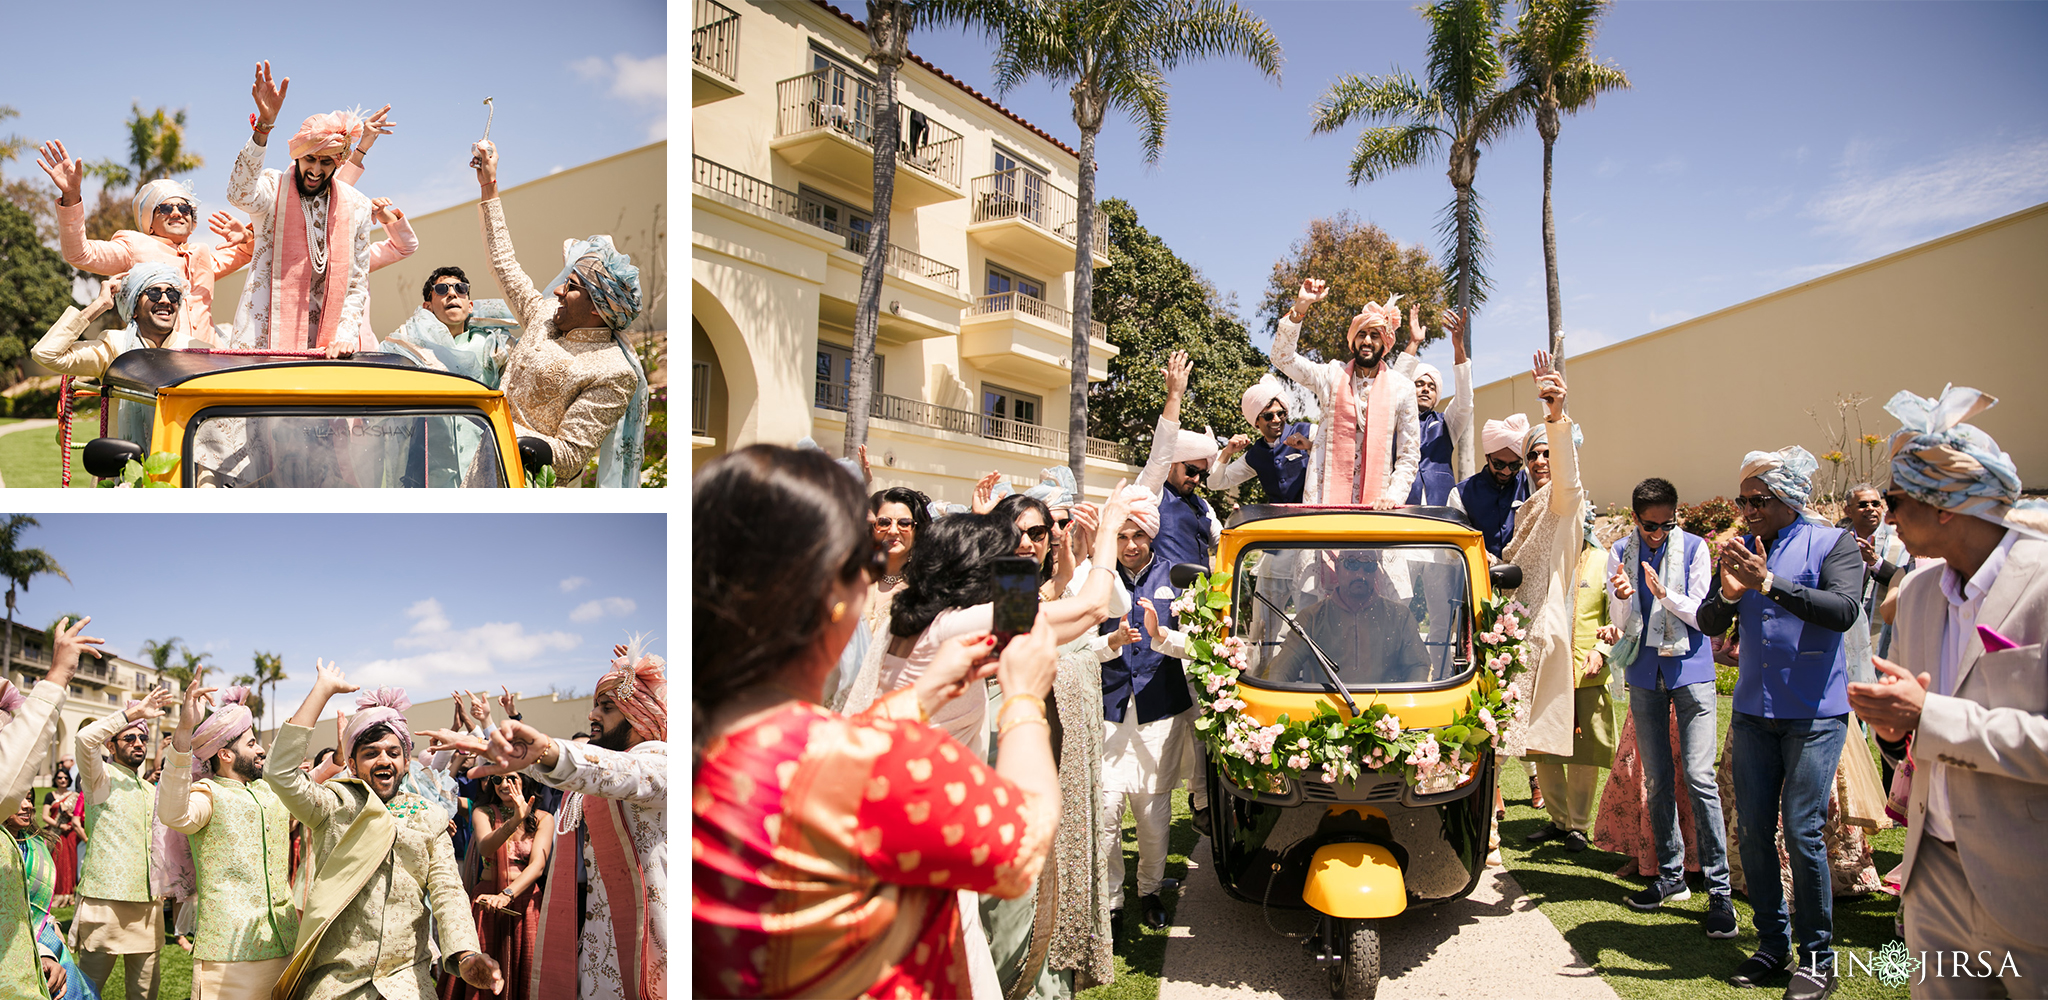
(1189, 446)
(11, 698)
(1382, 314)
(1509, 434)
(385, 705)
(1144, 509)
(139, 725)
(224, 726)
(1260, 395)
(641, 691)
(322, 132)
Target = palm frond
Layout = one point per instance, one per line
(1464, 61)
(1142, 95)
(1204, 28)
(1372, 99)
(1381, 151)
(1580, 83)
(1480, 250)
(1501, 113)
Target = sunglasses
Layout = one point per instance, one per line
(1891, 501)
(1037, 532)
(1195, 471)
(1653, 527)
(1263, 417)
(176, 208)
(1756, 503)
(136, 738)
(898, 522)
(458, 287)
(1499, 466)
(1060, 523)
(171, 295)
(1356, 564)
(1881, 502)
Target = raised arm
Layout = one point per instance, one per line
(63, 349)
(178, 804)
(525, 300)
(97, 256)
(399, 242)
(1288, 332)
(92, 771)
(1153, 477)
(311, 803)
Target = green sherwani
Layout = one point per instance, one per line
(380, 866)
(21, 752)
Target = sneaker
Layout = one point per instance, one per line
(1720, 916)
(1549, 832)
(1655, 894)
(1810, 985)
(1759, 969)
(1575, 841)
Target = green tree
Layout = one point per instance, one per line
(159, 654)
(156, 150)
(1550, 51)
(269, 673)
(19, 566)
(1115, 54)
(1154, 303)
(14, 144)
(194, 667)
(1461, 107)
(1361, 263)
(35, 286)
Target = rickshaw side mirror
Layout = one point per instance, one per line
(1183, 574)
(535, 454)
(106, 457)
(1506, 576)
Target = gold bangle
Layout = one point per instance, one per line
(1015, 698)
(1011, 726)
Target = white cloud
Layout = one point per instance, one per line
(1885, 208)
(556, 169)
(612, 607)
(438, 651)
(631, 79)
(1673, 164)
(574, 582)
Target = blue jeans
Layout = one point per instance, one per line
(1652, 708)
(1787, 767)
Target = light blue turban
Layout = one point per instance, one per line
(1540, 434)
(1788, 473)
(142, 276)
(940, 508)
(156, 192)
(1057, 491)
(1939, 460)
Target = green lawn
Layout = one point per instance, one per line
(1665, 953)
(1142, 954)
(174, 967)
(29, 458)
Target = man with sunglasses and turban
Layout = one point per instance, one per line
(1440, 431)
(1796, 584)
(572, 379)
(227, 840)
(1968, 689)
(148, 299)
(308, 286)
(1281, 455)
(120, 912)
(1491, 496)
(166, 214)
(379, 868)
(1371, 435)
(614, 946)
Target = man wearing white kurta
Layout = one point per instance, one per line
(119, 914)
(1386, 451)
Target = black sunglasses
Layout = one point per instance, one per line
(1499, 466)
(1272, 416)
(1037, 532)
(1891, 501)
(171, 295)
(1655, 526)
(1060, 523)
(176, 208)
(458, 287)
(1756, 503)
(1880, 502)
(1195, 471)
(900, 522)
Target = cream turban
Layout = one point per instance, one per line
(156, 192)
(1382, 314)
(1144, 509)
(1192, 447)
(1511, 434)
(1425, 368)
(1788, 473)
(1258, 396)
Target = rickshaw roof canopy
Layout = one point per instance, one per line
(1251, 513)
(153, 368)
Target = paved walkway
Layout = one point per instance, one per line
(26, 425)
(1493, 943)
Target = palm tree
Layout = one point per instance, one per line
(156, 149)
(1462, 108)
(1550, 50)
(19, 566)
(12, 145)
(159, 653)
(254, 702)
(1114, 54)
(189, 672)
(269, 674)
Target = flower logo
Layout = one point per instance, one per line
(1895, 966)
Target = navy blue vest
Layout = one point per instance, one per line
(1158, 681)
(1698, 662)
(1433, 479)
(1492, 506)
(1791, 669)
(1282, 469)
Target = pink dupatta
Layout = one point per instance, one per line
(1343, 482)
(291, 266)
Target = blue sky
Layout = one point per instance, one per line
(426, 602)
(572, 83)
(1763, 145)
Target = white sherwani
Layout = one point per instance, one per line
(1404, 438)
(638, 778)
(255, 190)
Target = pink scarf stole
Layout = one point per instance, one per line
(291, 265)
(1344, 482)
(554, 972)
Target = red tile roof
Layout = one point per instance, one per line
(949, 78)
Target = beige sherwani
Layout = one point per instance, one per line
(377, 942)
(1550, 529)
(568, 387)
(65, 350)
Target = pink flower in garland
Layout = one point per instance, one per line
(1388, 728)
(1427, 752)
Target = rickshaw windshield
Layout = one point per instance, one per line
(353, 446)
(1385, 615)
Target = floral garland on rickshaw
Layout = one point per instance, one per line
(1260, 757)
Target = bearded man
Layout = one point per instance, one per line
(118, 909)
(230, 845)
(1491, 496)
(385, 863)
(1371, 442)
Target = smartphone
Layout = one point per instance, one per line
(1016, 600)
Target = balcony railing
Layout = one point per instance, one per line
(752, 190)
(700, 399)
(834, 396)
(907, 261)
(1018, 193)
(1006, 301)
(715, 42)
(831, 98)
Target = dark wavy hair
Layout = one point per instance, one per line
(1013, 507)
(919, 504)
(528, 789)
(774, 530)
(951, 568)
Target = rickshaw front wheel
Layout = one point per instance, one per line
(1358, 976)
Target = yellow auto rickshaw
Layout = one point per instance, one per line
(1351, 668)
